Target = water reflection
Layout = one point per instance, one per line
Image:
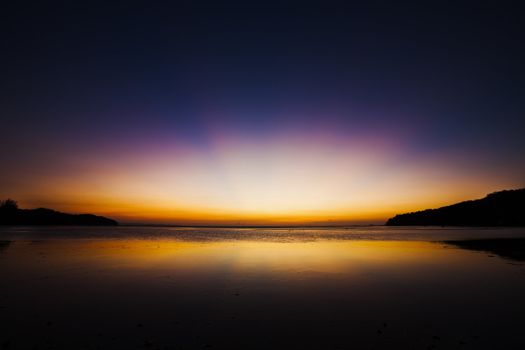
(131, 293)
(241, 256)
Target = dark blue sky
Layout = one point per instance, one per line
(458, 66)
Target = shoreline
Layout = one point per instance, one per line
(507, 248)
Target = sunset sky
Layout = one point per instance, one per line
(269, 114)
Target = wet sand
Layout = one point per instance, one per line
(509, 248)
(165, 293)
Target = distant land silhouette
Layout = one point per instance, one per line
(504, 208)
(10, 214)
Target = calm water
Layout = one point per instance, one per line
(194, 288)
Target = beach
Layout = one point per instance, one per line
(227, 288)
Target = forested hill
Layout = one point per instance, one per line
(505, 208)
(10, 214)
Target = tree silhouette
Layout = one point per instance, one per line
(8, 205)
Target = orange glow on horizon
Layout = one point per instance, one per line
(285, 180)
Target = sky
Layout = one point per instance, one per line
(238, 112)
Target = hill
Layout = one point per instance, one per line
(10, 214)
(504, 208)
